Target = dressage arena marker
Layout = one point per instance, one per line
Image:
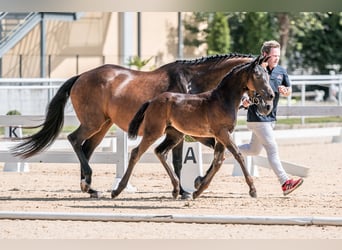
(160, 218)
(192, 165)
(15, 132)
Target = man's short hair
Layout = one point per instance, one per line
(268, 45)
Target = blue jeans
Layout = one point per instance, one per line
(263, 136)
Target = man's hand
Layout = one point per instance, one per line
(246, 102)
(285, 91)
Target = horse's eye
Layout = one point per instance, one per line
(258, 75)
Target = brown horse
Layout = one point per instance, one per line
(209, 114)
(111, 94)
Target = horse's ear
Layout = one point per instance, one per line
(256, 61)
(262, 60)
(265, 59)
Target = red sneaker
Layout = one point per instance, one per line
(291, 185)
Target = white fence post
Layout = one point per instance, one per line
(122, 156)
(250, 166)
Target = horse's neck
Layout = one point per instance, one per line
(231, 89)
(208, 75)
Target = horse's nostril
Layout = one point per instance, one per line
(268, 107)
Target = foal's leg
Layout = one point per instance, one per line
(226, 139)
(202, 183)
(170, 141)
(136, 153)
(238, 156)
(177, 156)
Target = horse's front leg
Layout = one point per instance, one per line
(177, 156)
(202, 183)
(170, 141)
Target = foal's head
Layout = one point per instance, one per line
(258, 85)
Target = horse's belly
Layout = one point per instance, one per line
(195, 129)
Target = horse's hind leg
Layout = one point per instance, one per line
(88, 148)
(84, 148)
(171, 140)
(202, 183)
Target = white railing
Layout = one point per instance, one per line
(332, 82)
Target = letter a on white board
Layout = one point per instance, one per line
(190, 155)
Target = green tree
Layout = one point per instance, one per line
(249, 30)
(218, 38)
(138, 62)
(310, 41)
(195, 32)
(316, 42)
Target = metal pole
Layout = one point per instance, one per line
(20, 66)
(303, 101)
(77, 64)
(42, 47)
(180, 36)
(49, 66)
(139, 33)
(125, 36)
(340, 91)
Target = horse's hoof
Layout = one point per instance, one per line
(253, 193)
(186, 196)
(96, 195)
(198, 182)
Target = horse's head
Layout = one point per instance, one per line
(260, 91)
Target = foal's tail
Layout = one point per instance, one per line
(51, 127)
(134, 125)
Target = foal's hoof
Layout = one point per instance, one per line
(195, 195)
(114, 194)
(253, 193)
(198, 182)
(175, 193)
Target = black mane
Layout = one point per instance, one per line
(214, 58)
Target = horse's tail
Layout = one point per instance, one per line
(51, 127)
(134, 125)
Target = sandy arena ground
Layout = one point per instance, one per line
(55, 188)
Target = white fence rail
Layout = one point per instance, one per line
(332, 82)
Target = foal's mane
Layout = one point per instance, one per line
(214, 58)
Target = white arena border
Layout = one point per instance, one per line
(200, 219)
